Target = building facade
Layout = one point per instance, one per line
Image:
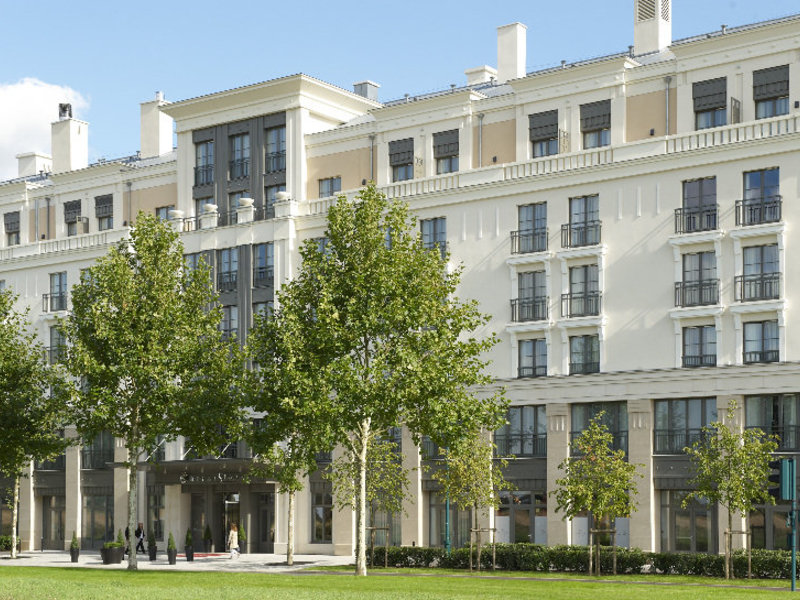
(624, 221)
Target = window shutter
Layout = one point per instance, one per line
(596, 115)
(543, 125)
(401, 152)
(710, 94)
(771, 83)
(104, 206)
(445, 144)
(11, 220)
(72, 211)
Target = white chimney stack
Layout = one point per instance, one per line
(69, 141)
(652, 26)
(33, 163)
(482, 74)
(155, 129)
(511, 50)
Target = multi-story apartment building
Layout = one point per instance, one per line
(623, 220)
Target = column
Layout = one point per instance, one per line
(640, 451)
(72, 490)
(29, 539)
(120, 487)
(736, 425)
(558, 529)
(411, 530)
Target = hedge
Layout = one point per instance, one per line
(5, 543)
(766, 564)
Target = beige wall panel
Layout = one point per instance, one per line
(647, 111)
(352, 166)
(148, 199)
(499, 139)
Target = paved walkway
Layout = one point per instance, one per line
(248, 563)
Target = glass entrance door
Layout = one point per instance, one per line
(230, 514)
(266, 523)
(53, 508)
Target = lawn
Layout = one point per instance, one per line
(35, 583)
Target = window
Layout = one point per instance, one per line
(263, 308)
(615, 417)
(596, 124)
(762, 198)
(231, 216)
(777, 414)
(543, 132)
(771, 92)
(679, 423)
(322, 244)
(761, 279)
(104, 211)
(97, 520)
(531, 305)
(263, 265)
(445, 151)
(97, 453)
(229, 325)
(57, 298)
(72, 214)
(380, 518)
(227, 269)
(2, 285)
(271, 195)
(687, 529)
(700, 346)
(192, 261)
(162, 212)
(155, 510)
(532, 358)
(239, 166)
(761, 342)
(710, 102)
(700, 286)
(584, 354)
(532, 233)
(321, 512)
(330, 186)
(401, 159)
(11, 222)
(699, 210)
(523, 515)
(58, 346)
(584, 223)
(769, 526)
(434, 234)
(204, 163)
(276, 149)
(583, 298)
(525, 432)
(460, 522)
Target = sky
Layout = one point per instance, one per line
(107, 57)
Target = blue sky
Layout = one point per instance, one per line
(117, 54)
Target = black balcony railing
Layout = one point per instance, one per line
(204, 174)
(239, 167)
(762, 356)
(583, 368)
(54, 464)
(430, 451)
(524, 242)
(575, 235)
(673, 441)
(788, 436)
(262, 213)
(229, 451)
(227, 280)
(701, 218)
(528, 309)
(755, 211)
(56, 354)
(54, 302)
(96, 459)
(697, 293)
(520, 444)
(619, 440)
(580, 305)
(230, 217)
(532, 371)
(691, 361)
(263, 276)
(275, 161)
(760, 286)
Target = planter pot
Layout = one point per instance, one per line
(111, 556)
(189, 550)
(208, 546)
(172, 555)
(74, 553)
(151, 550)
(242, 547)
(117, 554)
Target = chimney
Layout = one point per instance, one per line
(511, 49)
(155, 129)
(33, 163)
(69, 141)
(482, 74)
(652, 26)
(368, 89)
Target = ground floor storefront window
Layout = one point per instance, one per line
(98, 521)
(5, 512)
(53, 517)
(522, 517)
(460, 522)
(690, 529)
(321, 513)
(382, 518)
(769, 528)
(155, 511)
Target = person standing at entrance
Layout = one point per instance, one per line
(140, 537)
(233, 541)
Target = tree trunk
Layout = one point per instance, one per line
(290, 533)
(361, 556)
(132, 480)
(15, 516)
(728, 547)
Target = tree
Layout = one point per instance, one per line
(32, 401)
(731, 468)
(597, 479)
(144, 342)
(381, 338)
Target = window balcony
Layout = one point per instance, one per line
(697, 293)
(760, 286)
(96, 459)
(691, 220)
(761, 356)
(532, 371)
(227, 280)
(788, 436)
(583, 368)
(262, 213)
(577, 235)
(755, 211)
(520, 444)
(692, 361)
(275, 161)
(673, 441)
(263, 276)
(54, 464)
(239, 168)
(528, 309)
(204, 174)
(230, 217)
(580, 305)
(54, 302)
(619, 441)
(525, 242)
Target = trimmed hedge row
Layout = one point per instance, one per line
(766, 564)
(5, 543)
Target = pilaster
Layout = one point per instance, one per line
(640, 452)
(558, 529)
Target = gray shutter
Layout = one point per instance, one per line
(104, 206)
(72, 211)
(11, 220)
(401, 152)
(596, 115)
(276, 120)
(771, 83)
(445, 144)
(710, 94)
(543, 125)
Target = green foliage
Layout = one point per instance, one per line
(242, 534)
(74, 543)
(189, 539)
(5, 543)
(118, 543)
(171, 542)
(207, 534)
(151, 539)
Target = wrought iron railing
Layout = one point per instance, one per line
(275, 161)
(204, 174)
(755, 211)
(788, 436)
(575, 235)
(227, 280)
(701, 218)
(619, 440)
(531, 371)
(520, 444)
(583, 368)
(762, 356)
(239, 167)
(580, 305)
(54, 464)
(697, 293)
(529, 309)
(526, 241)
(673, 441)
(54, 302)
(759, 286)
(263, 276)
(699, 360)
(96, 459)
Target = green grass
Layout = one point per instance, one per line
(41, 583)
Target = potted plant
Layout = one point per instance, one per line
(242, 540)
(172, 551)
(188, 546)
(74, 548)
(112, 552)
(151, 544)
(207, 538)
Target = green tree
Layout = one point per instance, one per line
(597, 479)
(381, 338)
(144, 340)
(32, 401)
(731, 468)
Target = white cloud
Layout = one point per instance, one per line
(27, 108)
